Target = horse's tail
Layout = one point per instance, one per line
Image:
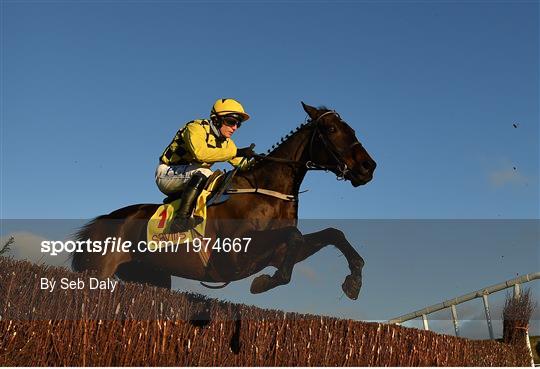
(100, 228)
(516, 315)
(86, 232)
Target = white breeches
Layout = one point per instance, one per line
(171, 179)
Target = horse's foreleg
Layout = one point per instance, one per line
(313, 242)
(292, 240)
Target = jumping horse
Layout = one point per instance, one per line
(323, 142)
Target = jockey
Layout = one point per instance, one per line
(185, 163)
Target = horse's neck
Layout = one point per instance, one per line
(284, 177)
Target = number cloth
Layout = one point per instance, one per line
(158, 225)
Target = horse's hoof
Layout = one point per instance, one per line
(352, 286)
(260, 284)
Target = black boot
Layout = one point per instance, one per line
(183, 220)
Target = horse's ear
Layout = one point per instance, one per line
(311, 111)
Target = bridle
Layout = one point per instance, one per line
(341, 167)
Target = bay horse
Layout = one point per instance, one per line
(323, 142)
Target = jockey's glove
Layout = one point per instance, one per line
(246, 152)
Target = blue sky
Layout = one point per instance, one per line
(93, 91)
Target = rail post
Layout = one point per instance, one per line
(517, 290)
(488, 316)
(425, 321)
(455, 320)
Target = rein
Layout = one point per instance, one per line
(341, 167)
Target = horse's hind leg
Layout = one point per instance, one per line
(138, 272)
(292, 240)
(110, 264)
(313, 242)
(105, 266)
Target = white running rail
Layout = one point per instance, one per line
(452, 303)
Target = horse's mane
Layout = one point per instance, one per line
(305, 124)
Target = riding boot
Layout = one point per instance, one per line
(183, 220)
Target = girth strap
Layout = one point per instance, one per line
(263, 191)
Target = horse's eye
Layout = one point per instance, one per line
(332, 129)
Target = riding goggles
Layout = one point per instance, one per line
(232, 120)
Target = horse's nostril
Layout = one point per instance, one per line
(369, 165)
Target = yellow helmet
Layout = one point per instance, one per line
(228, 106)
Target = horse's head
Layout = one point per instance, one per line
(334, 146)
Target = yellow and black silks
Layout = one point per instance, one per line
(195, 143)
